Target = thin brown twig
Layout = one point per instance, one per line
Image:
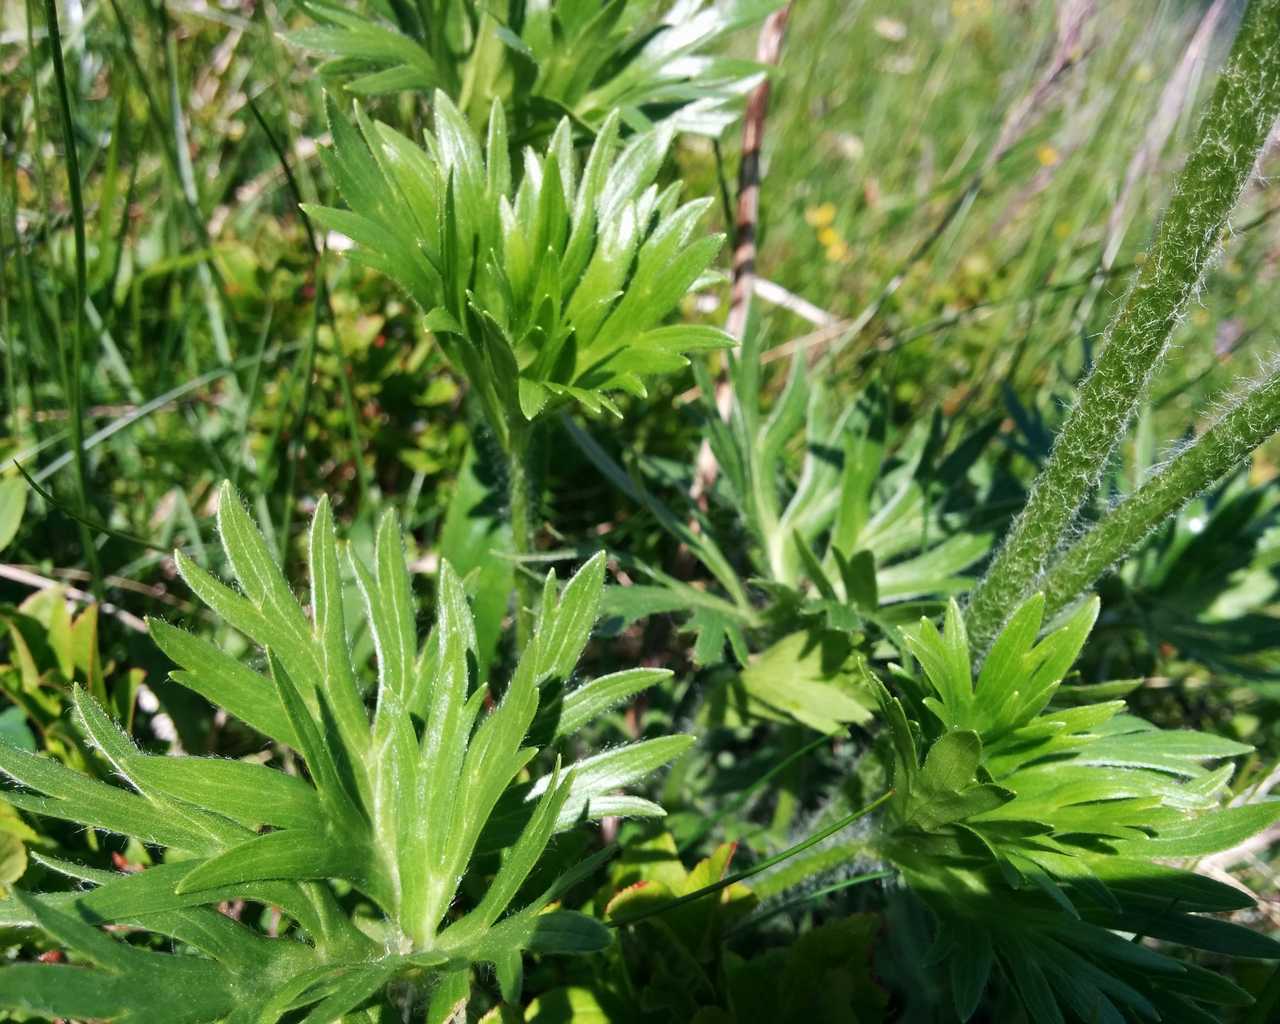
(31, 579)
(768, 52)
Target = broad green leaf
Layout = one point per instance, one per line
(13, 503)
(811, 679)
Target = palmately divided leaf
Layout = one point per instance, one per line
(548, 293)
(1038, 831)
(657, 62)
(392, 800)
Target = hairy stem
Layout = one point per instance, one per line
(1235, 127)
(1215, 453)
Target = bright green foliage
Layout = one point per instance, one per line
(385, 823)
(862, 532)
(545, 293)
(867, 532)
(648, 61)
(1035, 830)
(52, 649)
(398, 801)
(859, 525)
(13, 503)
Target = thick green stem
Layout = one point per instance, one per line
(1215, 453)
(520, 507)
(1235, 127)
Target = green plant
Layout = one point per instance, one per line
(875, 507)
(867, 522)
(409, 812)
(871, 527)
(882, 819)
(1034, 827)
(546, 59)
(544, 294)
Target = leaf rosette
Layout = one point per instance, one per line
(545, 293)
(1038, 822)
(413, 785)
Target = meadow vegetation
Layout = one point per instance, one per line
(605, 510)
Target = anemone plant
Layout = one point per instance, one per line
(814, 564)
(543, 294)
(1036, 822)
(400, 858)
(863, 529)
(542, 60)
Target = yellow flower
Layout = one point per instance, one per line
(837, 251)
(829, 236)
(1062, 229)
(822, 216)
(1047, 155)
